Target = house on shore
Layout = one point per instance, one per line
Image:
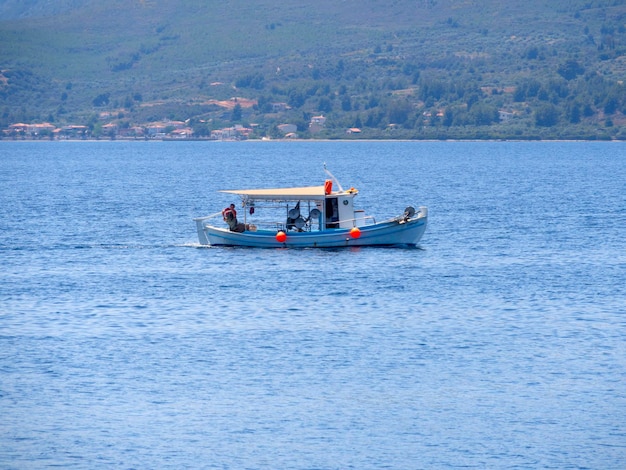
(238, 132)
(317, 124)
(287, 128)
(30, 130)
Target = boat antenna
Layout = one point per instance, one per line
(333, 177)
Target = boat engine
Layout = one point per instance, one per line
(408, 213)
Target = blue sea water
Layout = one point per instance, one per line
(500, 342)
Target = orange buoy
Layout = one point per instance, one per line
(281, 237)
(355, 232)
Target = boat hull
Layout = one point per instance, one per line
(393, 232)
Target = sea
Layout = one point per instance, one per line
(499, 342)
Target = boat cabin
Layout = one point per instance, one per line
(301, 209)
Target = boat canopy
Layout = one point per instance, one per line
(302, 194)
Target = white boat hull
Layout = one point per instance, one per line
(393, 232)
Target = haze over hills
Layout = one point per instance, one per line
(403, 68)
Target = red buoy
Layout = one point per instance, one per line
(281, 237)
(355, 232)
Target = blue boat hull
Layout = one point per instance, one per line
(393, 232)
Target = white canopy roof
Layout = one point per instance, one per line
(303, 193)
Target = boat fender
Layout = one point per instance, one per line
(281, 237)
(355, 232)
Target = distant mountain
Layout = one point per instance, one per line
(405, 68)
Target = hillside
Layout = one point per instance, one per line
(399, 69)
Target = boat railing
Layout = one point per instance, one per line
(360, 221)
(274, 225)
(369, 219)
(206, 217)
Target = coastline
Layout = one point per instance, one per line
(307, 140)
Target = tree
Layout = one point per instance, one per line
(574, 112)
(325, 105)
(256, 81)
(448, 117)
(528, 88)
(570, 69)
(101, 100)
(237, 113)
(547, 115)
(432, 89)
(611, 104)
(399, 111)
(296, 98)
(532, 53)
(263, 105)
(346, 103)
(483, 114)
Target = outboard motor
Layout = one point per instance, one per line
(408, 213)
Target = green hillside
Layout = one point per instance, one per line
(411, 69)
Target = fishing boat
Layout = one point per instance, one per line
(307, 217)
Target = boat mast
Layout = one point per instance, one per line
(333, 177)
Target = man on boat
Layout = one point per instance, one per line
(230, 209)
(230, 217)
